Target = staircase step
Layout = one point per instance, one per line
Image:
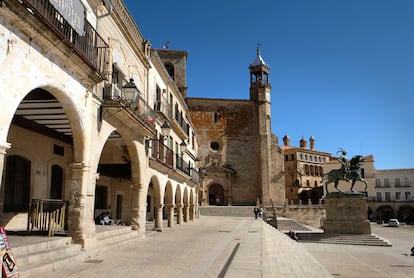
(235, 211)
(351, 239)
(45, 254)
(107, 237)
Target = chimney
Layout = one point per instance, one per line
(303, 143)
(312, 142)
(286, 140)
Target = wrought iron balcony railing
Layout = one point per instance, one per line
(144, 112)
(89, 45)
(160, 152)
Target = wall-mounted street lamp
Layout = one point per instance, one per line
(183, 147)
(165, 129)
(130, 93)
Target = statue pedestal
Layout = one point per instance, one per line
(346, 214)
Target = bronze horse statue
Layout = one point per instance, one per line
(352, 173)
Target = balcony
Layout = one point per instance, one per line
(186, 168)
(137, 110)
(89, 46)
(162, 106)
(160, 152)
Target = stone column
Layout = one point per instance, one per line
(170, 215)
(80, 214)
(158, 217)
(192, 212)
(179, 213)
(186, 212)
(3, 149)
(136, 210)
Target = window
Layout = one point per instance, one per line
(215, 146)
(170, 69)
(56, 182)
(407, 196)
(397, 195)
(117, 77)
(59, 150)
(397, 182)
(215, 117)
(386, 182)
(406, 182)
(286, 157)
(377, 183)
(379, 197)
(293, 156)
(387, 196)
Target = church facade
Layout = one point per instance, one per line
(240, 160)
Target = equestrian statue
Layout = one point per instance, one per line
(349, 171)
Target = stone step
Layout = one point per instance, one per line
(35, 263)
(235, 211)
(51, 254)
(107, 237)
(351, 239)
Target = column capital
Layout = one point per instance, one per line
(4, 147)
(80, 166)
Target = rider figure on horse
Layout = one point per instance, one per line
(344, 163)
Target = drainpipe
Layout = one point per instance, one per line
(110, 9)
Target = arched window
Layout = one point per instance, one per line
(170, 69)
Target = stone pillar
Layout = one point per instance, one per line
(158, 217)
(179, 214)
(138, 213)
(346, 214)
(3, 149)
(192, 212)
(80, 214)
(170, 215)
(186, 212)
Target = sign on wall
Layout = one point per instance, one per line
(8, 263)
(72, 11)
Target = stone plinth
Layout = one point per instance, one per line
(346, 214)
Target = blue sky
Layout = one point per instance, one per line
(341, 71)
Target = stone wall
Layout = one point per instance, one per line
(307, 215)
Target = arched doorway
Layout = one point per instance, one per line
(215, 195)
(406, 214)
(385, 213)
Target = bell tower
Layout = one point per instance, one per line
(260, 94)
(259, 79)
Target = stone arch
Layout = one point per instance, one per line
(216, 194)
(19, 123)
(385, 213)
(406, 214)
